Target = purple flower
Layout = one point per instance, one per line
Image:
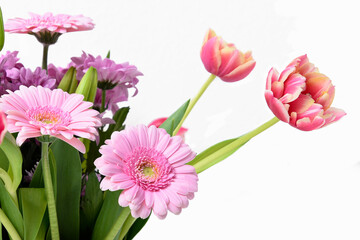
(113, 77)
(36, 78)
(56, 72)
(9, 71)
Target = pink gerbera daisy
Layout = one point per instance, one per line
(48, 27)
(38, 111)
(150, 166)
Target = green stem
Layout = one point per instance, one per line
(118, 224)
(49, 191)
(194, 101)
(230, 148)
(103, 100)
(8, 226)
(126, 227)
(45, 56)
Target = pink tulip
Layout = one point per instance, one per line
(2, 126)
(157, 122)
(302, 96)
(224, 60)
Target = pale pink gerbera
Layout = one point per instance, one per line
(48, 27)
(38, 111)
(150, 166)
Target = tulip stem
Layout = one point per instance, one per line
(194, 101)
(232, 147)
(49, 191)
(45, 56)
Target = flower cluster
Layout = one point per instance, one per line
(152, 165)
(13, 74)
(115, 78)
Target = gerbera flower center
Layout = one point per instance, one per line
(149, 169)
(48, 115)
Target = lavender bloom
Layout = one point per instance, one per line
(36, 78)
(115, 78)
(9, 71)
(56, 72)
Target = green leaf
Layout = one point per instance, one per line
(68, 168)
(136, 227)
(109, 213)
(4, 163)
(2, 33)
(90, 205)
(213, 155)
(69, 82)
(11, 210)
(119, 118)
(93, 153)
(44, 227)
(33, 203)
(12, 151)
(173, 121)
(108, 55)
(37, 180)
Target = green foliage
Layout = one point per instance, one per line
(2, 33)
(108, 215)
(93, 153)
(68, 170)
(90, 206)
(173, 121)
(11, 210)
(33, 204)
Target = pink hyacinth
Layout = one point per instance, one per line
(157, 122)
(3, 126)
(151, 168)
(48, 27)
(302, 96)
(224, 60)
(38, 111)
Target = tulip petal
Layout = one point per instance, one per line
(277, 107)
(210, 55)
(240, 72)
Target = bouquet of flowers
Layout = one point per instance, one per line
(69, 167)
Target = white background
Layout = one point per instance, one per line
(284, 184)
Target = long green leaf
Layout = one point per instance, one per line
(33, 203)
(11, 211)
(68, 168)
(136, 227)
(2, 33)
(172, 122)
(211, 156)
(12, 151)
(109, 213)
(90, 205)
(4, 163)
